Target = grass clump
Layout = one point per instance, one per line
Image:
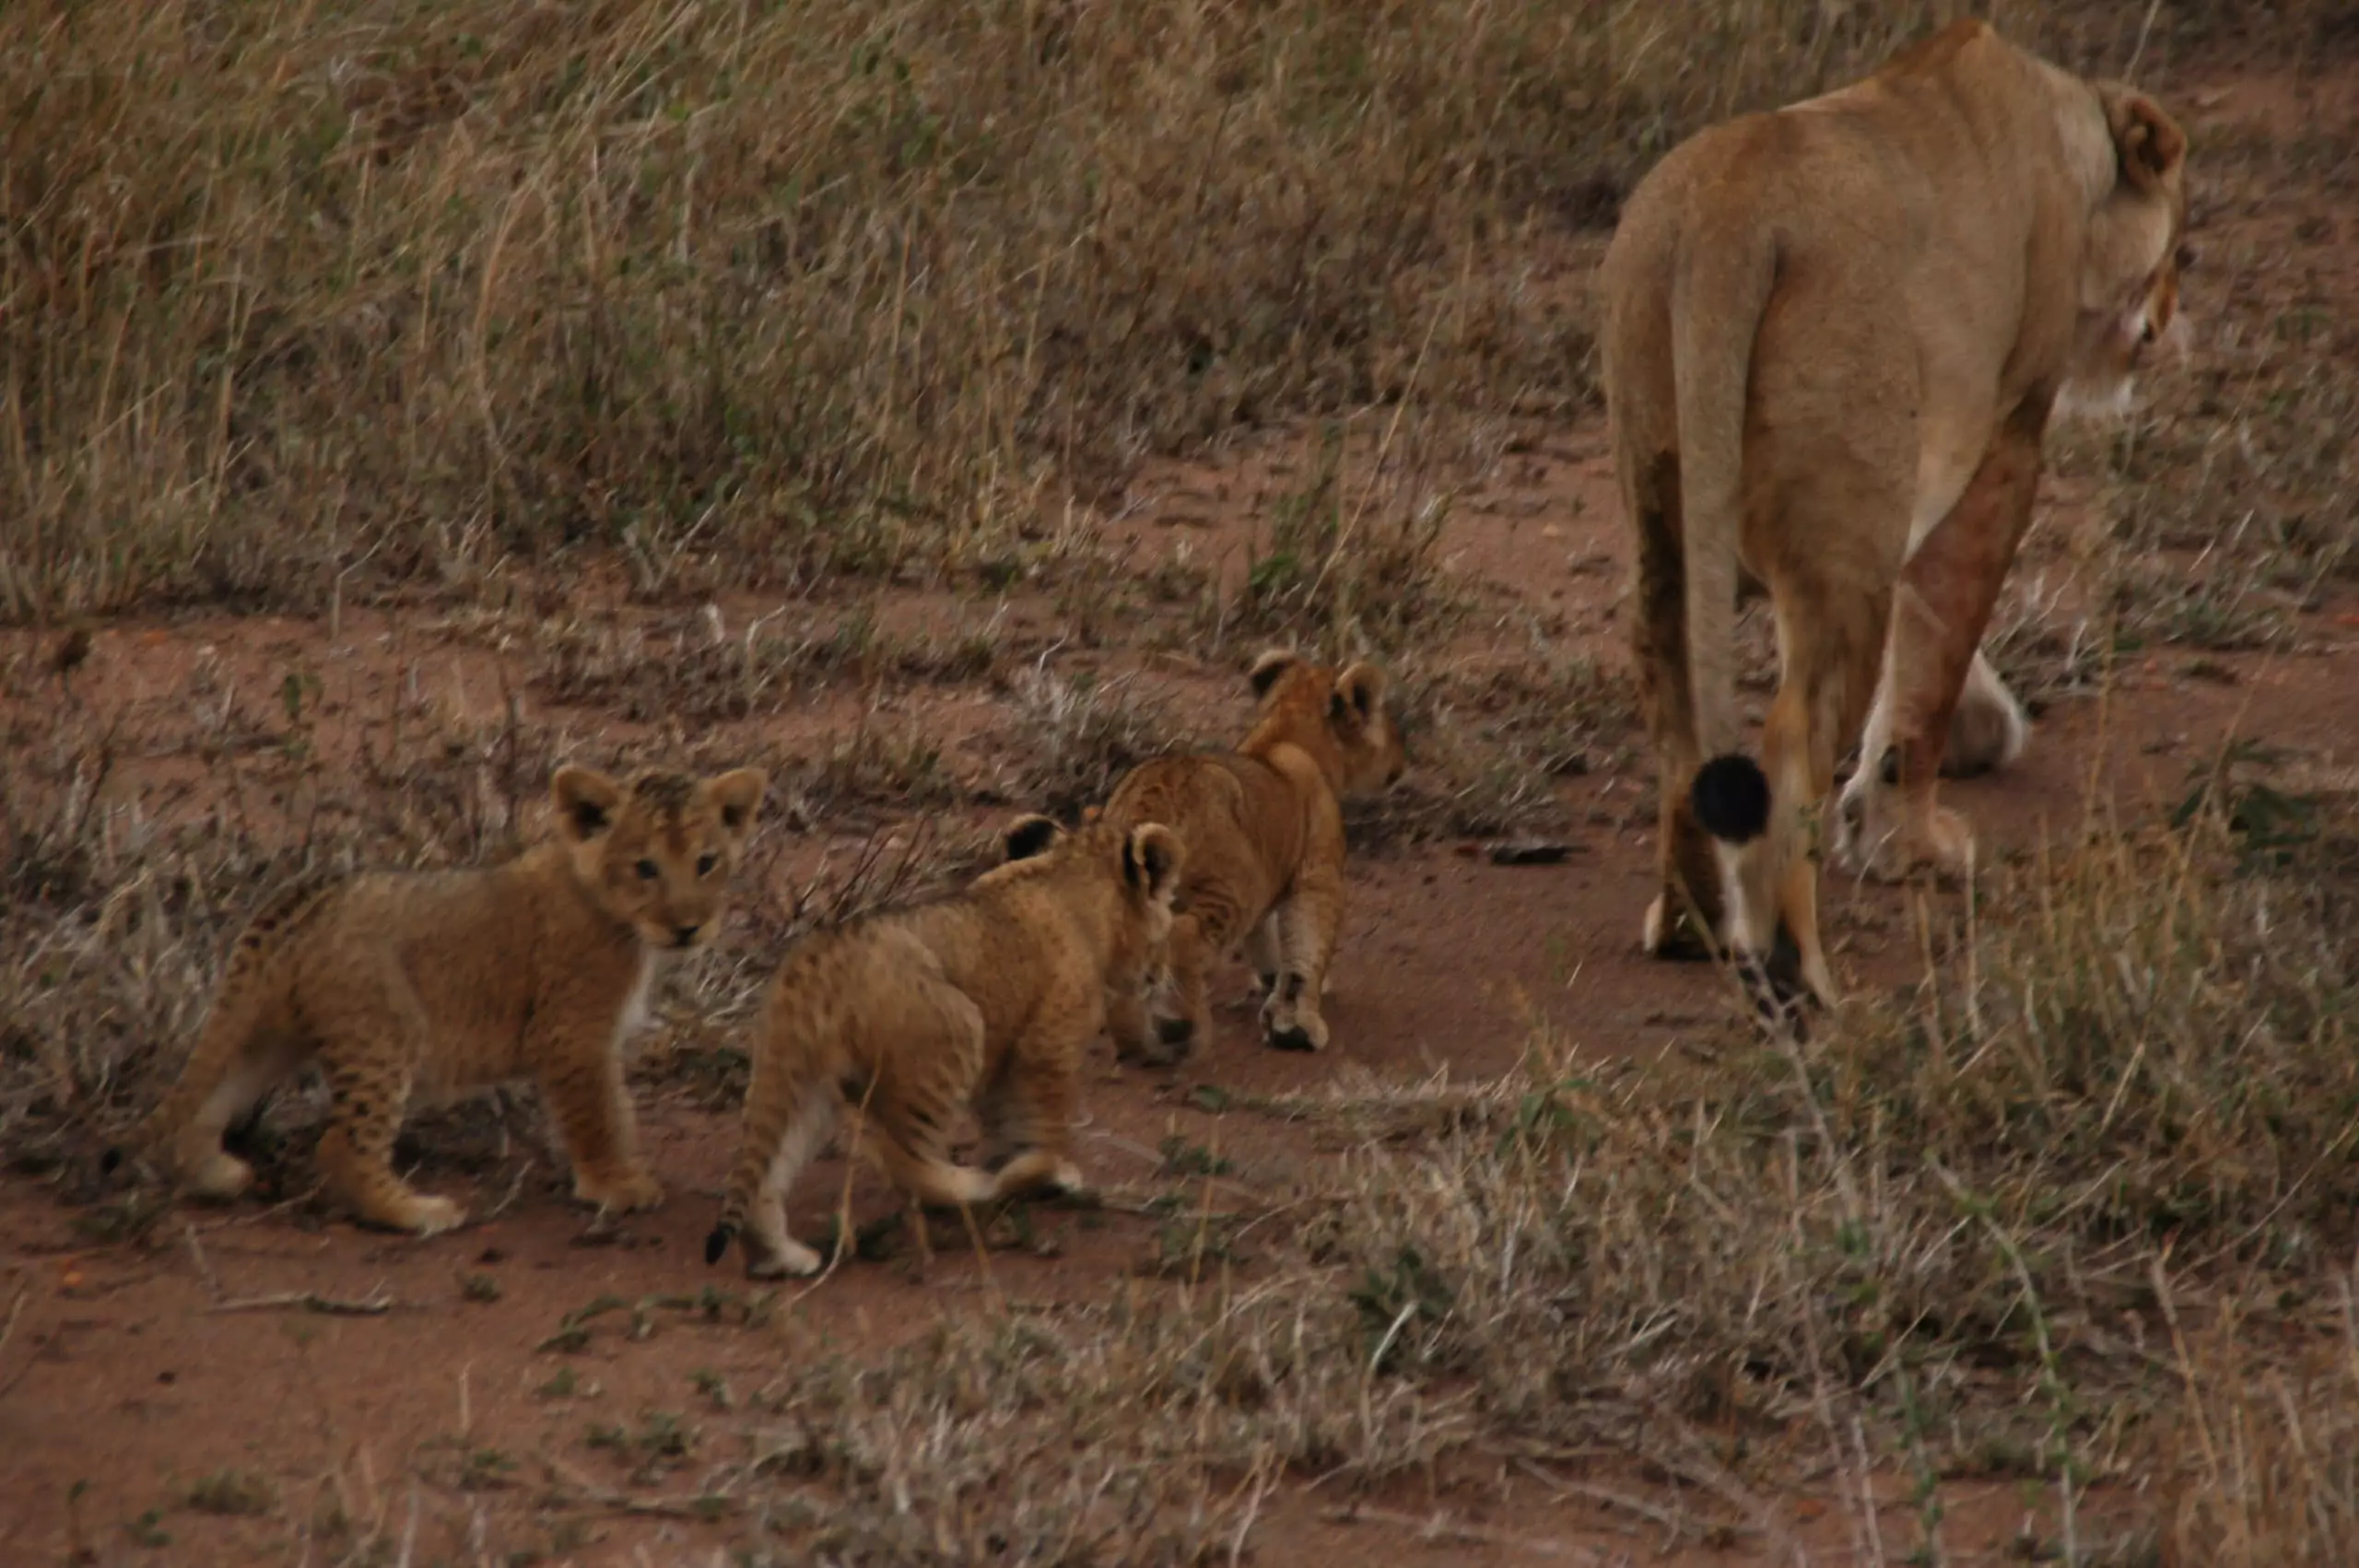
(305, 299)
(1944, 1241)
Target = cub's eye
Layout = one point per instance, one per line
(2186, 258)
(706, 861)
(647, 871)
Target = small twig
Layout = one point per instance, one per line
(1439, 1527)
(1678, 1521)
(8, 1329)
(698, 1507)
(2129, 71)
(1252, 1513)
(515, 1188)
(203, 1268)
(375, 1304)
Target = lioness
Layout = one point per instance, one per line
(1264, 827)
(430, 984)
(987, 998)
(1833, 337)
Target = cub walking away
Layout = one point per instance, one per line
(985, 998)
(1264, 829)
(414, 986)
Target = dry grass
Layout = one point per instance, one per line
(2075, 1215)
(310, 299)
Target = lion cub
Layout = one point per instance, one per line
(1264, 828)
(410, 985)
(987, 997)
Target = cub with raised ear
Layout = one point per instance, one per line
(410, 986)
(1264, 826)
(985, 998)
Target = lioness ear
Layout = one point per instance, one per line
(1151, 857)
(1266, 670)
(1031, 835)
(585, 800)
(2151, 146)
(1359, 689)
(738, 793)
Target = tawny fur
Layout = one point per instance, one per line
(1833, 334)
(1264, 827)
(411, 986)
(986, 999)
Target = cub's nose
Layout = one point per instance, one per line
(684, 936)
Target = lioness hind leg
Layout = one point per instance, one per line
(1831, 613)
(1687, 915)
(1890, 818)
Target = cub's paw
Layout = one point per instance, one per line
(626, 1194)
(1296, 1029)
(219, 1177)
(789, 1259)
(429, 1216)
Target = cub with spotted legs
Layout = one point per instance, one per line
(414, 986)
(987, 998)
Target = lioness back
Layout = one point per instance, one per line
(417, 986)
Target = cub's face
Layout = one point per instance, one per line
(2135, 251)
(658, 853)
(1348, 704)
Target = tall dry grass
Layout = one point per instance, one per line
(300, 298)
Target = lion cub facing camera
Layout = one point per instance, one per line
(407, 986)
(984, 998)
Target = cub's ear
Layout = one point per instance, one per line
(1151, 857)
(584, 799)
(1266, 670)
(1031, 835)
(2151, 147)
(738, 793)
(1358, 692)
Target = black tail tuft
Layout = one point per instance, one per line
(718, 1243)
(1731, 798)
